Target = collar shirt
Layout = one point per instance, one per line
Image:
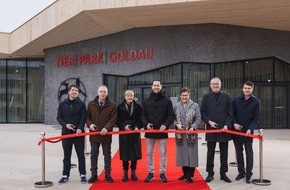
(246, 112)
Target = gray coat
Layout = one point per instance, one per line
(189, 116)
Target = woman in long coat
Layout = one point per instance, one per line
(129, 118)
(187, 117)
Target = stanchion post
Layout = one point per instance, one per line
(261, 181)
(43, 183)
(204, 143)
(234, 164)
(87, 140)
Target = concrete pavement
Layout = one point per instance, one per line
(20, 160)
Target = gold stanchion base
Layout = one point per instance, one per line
(262, 182)
(42, 184)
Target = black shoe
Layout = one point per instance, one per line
(189, 180)
(134, 176)
(240, 176)
(149, 178)
(183, 177)
(93, 179)
(163, 178)
(225, 178)
(209, 178)
(109, 179)
(248, 180)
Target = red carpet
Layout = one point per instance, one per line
(172, 173)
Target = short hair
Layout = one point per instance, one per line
(157, 80)
(129, 92)
(216, 78)
(73, 86)
(185, 89)
(103, 86)
(249, 83)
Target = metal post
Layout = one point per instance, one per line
(261, 181)
(204, 143)
(234, 164)
(43, 183)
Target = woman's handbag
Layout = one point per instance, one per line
(190, 138)
(178, 137)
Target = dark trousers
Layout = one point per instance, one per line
(67, 145)
(240, 157)
(95, 154)
(133, 165)
(223, 157)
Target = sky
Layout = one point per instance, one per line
(14, 13)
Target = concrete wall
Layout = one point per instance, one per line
(171, 44)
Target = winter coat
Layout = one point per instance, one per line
(102, 117)
(71, 112)
(157, 110)
(129, 144)
(220, 112)
(246, 113)
(189, 117)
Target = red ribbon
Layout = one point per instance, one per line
(59, 138)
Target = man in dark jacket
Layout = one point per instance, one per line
(246, 111)
(71, 115)
(216, 112)
(157, 113)
(101, 116)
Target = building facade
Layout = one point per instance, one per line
(184, 55)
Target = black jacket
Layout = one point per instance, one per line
(220, 112)
(73, 112)
(157, 110)
(129, 144)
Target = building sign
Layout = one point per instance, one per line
(101, 57)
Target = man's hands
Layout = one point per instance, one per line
(73, 128)
(238, 127)
(103, 131)
(215, 125)
(149, 126)
(162, 128)
(93, 127)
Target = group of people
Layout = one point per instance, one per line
(217, 110)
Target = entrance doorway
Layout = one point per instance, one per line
(274, 110)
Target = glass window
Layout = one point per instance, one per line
(231, 75)
(196, 77)
(16, 88)
(35, 91)
(282, 71)
(117, 85)
(3, 91)
(169, 74)
(259, 70)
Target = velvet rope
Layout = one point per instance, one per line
(59, 138)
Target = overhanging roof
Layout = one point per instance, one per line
(67, 21)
